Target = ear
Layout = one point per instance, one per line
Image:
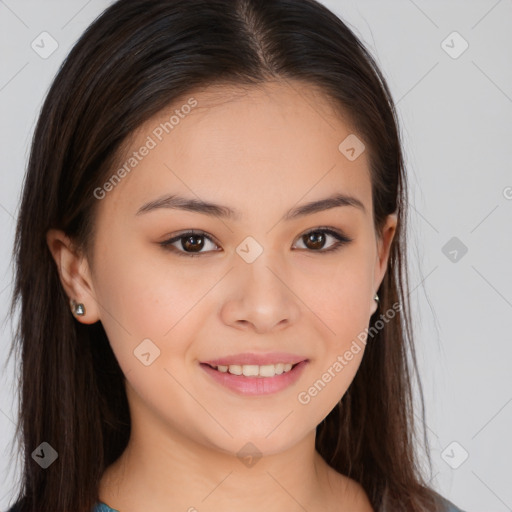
(383, 250)
(74, 273)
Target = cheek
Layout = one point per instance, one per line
(342, 303)
(145, 294)
(343, 309)
(340, 293)
(141, 301)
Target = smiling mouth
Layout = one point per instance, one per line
(253, 370)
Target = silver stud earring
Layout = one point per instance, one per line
(376, 299)
(77, 308)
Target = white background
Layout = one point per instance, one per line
(456, 118)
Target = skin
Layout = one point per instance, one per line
(261, 151)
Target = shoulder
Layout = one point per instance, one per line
(102, 507)
(448, 505)
(99, 507)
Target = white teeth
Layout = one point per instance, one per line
(235, 369)
(253, 370)
(267, 370)
(250, 370)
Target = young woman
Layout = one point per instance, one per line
(210, 270)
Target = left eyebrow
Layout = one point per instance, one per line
(224, 212)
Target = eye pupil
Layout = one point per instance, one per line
(188, 245)
(318, 239)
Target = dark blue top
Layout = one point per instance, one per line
(103, 507)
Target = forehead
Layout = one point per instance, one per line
(277, 143)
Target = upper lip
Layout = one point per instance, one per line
(256, 359)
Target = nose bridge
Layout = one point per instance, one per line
(264, 299)
(259, 272)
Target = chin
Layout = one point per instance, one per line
(256, 443)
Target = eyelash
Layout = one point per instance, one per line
(341, 241)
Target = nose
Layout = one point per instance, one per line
(260, 297)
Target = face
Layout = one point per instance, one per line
(269, 285)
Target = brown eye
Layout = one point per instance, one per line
(315, 240)
(189, 243)
(192, 243)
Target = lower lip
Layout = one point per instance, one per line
(255, 385)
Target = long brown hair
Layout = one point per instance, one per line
(138, 57)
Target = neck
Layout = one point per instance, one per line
(162, 469)
(164, 475)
